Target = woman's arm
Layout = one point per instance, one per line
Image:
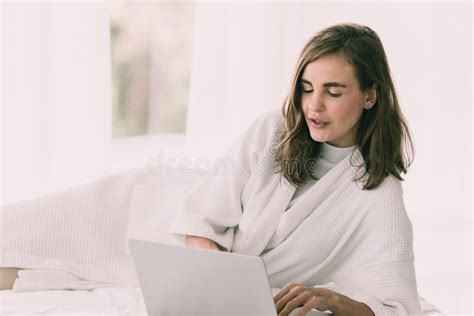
(213, 208)
(379, 269)
(343, 305)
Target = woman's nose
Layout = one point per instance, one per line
(316, 103)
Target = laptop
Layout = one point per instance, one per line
(178, 280)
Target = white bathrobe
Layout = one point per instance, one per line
(336, 235)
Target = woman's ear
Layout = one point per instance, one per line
(371, 97)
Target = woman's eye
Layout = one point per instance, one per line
(307, 91)
(335, 95)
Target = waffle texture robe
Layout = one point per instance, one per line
(356, 242)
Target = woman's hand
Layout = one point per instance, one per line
(294, 295)
(200, 242)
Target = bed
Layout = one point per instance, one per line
(67, 238)
(101, 301)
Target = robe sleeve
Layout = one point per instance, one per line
(213, 208)
(379, 270)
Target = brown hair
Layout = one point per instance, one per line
(382, 137)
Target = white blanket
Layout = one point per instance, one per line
(82, 231)
(77, 239)
(336, 232)
(102, 301)
(37, 280)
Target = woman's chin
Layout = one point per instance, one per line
(318, 138)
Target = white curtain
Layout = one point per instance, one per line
(243, 59)
(56, 105)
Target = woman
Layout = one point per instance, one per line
(317, 193)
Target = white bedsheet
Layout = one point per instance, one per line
(101, 301)
(97, 302)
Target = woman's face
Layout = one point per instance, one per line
(330, 93)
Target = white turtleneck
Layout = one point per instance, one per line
(330, 156)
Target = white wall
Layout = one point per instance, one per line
(243, 60)
(56, 96)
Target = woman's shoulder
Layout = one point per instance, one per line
(386, 199)
(261, 134)
(265, 129)
(270, 120)
(390, 189)
(390, 185)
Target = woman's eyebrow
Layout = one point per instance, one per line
(334, 84)
(327, 84)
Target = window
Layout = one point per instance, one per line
(151, 66)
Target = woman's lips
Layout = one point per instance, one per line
(314, 123)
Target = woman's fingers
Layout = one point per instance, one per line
(293, 295)
(284, 291)
(290, 295)
(311, 303)
(297, 301)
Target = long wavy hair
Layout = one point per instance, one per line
(382, 137)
